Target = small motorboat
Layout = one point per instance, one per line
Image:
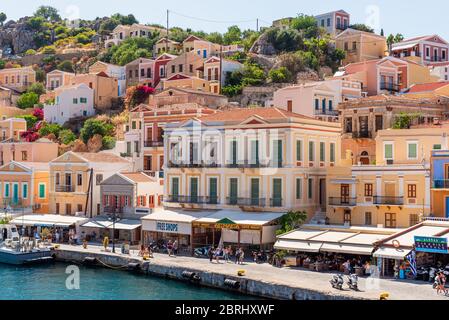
(17, 250)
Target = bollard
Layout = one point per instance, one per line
(90, 260)
(232, 283)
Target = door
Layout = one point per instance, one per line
(323, 106)
(447, 207)
(175, 189)
(290, 105)
(15, 194)
(344, 192)
(347, 217)
(277, 193)
(254, 192)
(233, 191)
(149, 135)
(68, 209)
(323, 193)
(194, 190)
(213, 191)
(277, 153)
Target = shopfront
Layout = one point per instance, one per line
(163, 226)
(251, 231)
(98, 228)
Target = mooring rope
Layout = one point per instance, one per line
(112, 267)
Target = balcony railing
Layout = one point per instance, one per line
(362, 134)
(215, 164)
(153, 144)
(193, 199)
(276, 202)
(387, 200)
(342, 201)
(64, 188)
(436, 59)
(342, 27)
(440, 184)
(250, 202)
(326, 112)
(112, 210)
(391, 87)
(11, 202)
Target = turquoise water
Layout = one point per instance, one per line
(48, 282)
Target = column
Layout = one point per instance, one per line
(378, 186)
(401, 185)
(289, 148)
(427, 191)
(288, 192)
(222, 189)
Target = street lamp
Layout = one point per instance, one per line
(114, 219)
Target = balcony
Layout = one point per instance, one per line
(390, 87)
(193, 199)
(388, 200)
(153, 144)
(60, 188)
(321, 112)
(275, 202)
(342, 27)
(248, 202)
(342, 201)
(440, 184)
(113, 210)
(436, 59)
(362, 135)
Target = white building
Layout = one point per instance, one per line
(122, 32)
(70, 102)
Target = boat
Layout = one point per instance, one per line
(18, 250)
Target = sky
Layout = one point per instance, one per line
(411, 18)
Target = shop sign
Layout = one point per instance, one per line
(431, 244)
(166, 227)
(226, 224)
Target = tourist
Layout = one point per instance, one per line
(175, 247)
(210, 254)
(57, 236)
(217, 255)
(226, 254)
(347, 266)
(237, 256)
(169, 248)
(241, 256)
(441, 280)
(5, 234)
(367, 269)
(150, 252)
(142, 250)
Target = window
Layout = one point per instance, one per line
(277, 153)
(194, 189)
(310, 188)
(75, 100)
(133, 125)
(413, 219)
(130, 73)
(255, 192)
(317, 104)
(388, 151)
(332, 152)
(330, 105)
(298, 188)
(298, 150)
(412, 148)
(328, 22)
(25, 190)
(191, 68)
(234, 152)
(98, 179)
(142, 73)
(411, 191)
(6, 190)
(83, 100)
(136, 73)
(175, 188)
(79, 207)
(180, 68)
(41, 190)
(322, 152)
(57, 179)
(347, 217)
(24, 156)
(390, 220)
(437, 147)
(277, 192)
(368, 189)
(255, 152)
(213, 191)
(233, 191)
(79, 179)
(379, 122)
(348, 125)
(311, 151)
(173, 70)
(346, 46)
(368, 218)
(354, 45)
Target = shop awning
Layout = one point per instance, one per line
(47, 220)
(242, 218)
(347, 248)
(127, 224)
(300, 246)
(124, 224)
(391, 253)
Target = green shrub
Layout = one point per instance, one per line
(27, 100)
(50, 128)
(66, 136)
(280, 75)
(108, 142)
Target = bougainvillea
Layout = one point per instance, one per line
(39, 114)
(137, 95)
(29, 135)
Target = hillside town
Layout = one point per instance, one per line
(313, 143)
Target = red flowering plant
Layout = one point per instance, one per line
(39, 114)
(137, 95)
(29, 135)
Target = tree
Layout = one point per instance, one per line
(108, 143)
(233, 35)
(131, 49)
(3, 18)
(48, 13)
(122, 19)
(382, 32)
(284, 40)
(361, 27)
(66, 66)
(40, 75)
(291, 221)
(36, 23)
(94, 126)
(215, 37)
(404, 120)
(28, 100)
(37, 88)
(280, 75)
(2, 64)
(50, 128)
(398, 37)
(66, 136)
(137, 95)
(306, 25)
(30, 119)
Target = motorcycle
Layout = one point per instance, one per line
(337, 282)
(353, 282)
(259, 257)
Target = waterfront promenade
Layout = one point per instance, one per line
(291, 277)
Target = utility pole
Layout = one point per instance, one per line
(221, 69)
(89, 194)
(257, 24)
(168, 20)
(91, 191)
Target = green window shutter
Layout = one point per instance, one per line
(412, 150)
(213, 190)
(255, 189)
(25, 191)
(332, 152)
(255, 152)
(311, 151)
(277, 152)
(322, 152)
(298, 188)
(310, 188)
(7, 190)
(42, 191)
(234, 151)
(233, 190)
(388, 151)
(298, 150)
(194, 187)
(277, 192)
(437, 147)
(175, 186)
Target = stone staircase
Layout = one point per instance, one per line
(319, 218)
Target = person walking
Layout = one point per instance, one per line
(241, 256)
(57, 236)
(226, 255)
(237, 256)
(210, 254)
(169, 248)
(441, 280)
(217, 255)
(175, 247)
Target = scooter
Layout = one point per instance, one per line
(337, 282)
(353, 282)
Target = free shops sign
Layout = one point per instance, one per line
(431, 245)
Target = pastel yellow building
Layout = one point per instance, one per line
(17, 78)
(395, 191)
(361, 46)
(189, 82)
(167, 45)
(11, 129)
(58, 78)
(70, 175)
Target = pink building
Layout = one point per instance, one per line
(430, 49)
(42, 150)
(334, 22)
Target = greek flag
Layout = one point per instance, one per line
(412, 259)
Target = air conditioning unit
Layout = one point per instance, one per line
(390, 162)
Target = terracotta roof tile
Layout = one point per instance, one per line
(138, 176)
(101, 157)
(425, 87)
(241, 114)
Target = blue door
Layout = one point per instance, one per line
(447, 207)
(15, 194)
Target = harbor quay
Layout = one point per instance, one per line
(260, 280)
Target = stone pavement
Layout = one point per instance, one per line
(297, 277)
